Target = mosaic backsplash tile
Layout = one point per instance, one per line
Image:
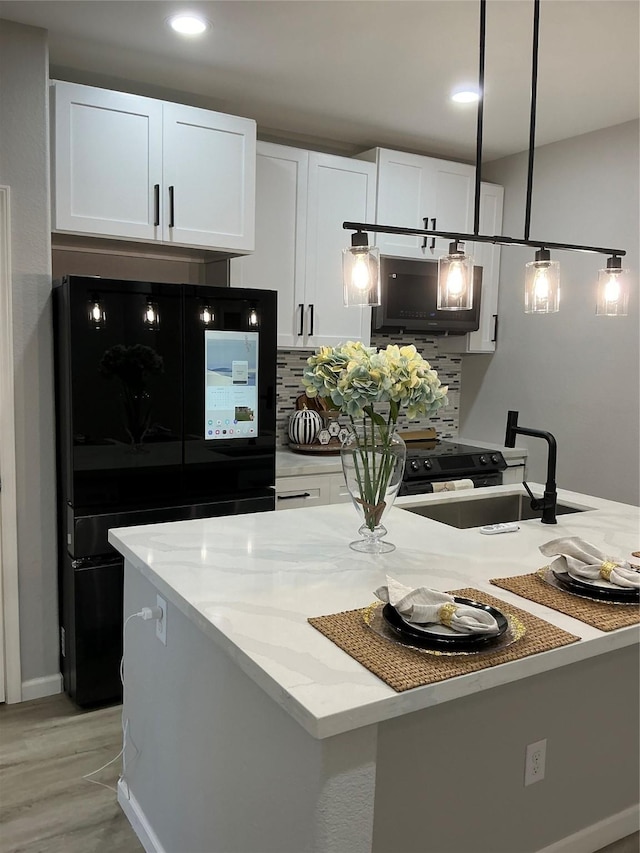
(291, 364)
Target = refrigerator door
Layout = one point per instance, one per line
(229, 391)
(119, 392)
(91, 630)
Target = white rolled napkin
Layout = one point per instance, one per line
(583, 560)
(423, 605)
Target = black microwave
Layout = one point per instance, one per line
(409, 292)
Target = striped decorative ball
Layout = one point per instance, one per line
(304, 426)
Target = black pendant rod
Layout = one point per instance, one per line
(498, 240)
(483, 20)
(532, 121)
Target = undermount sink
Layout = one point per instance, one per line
(481, 511)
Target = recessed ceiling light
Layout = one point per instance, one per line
(188, 25)
(466, 96)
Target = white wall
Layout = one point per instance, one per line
(24, 166)
(572, 373)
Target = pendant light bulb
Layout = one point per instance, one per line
(97, 314)
(613, 290)
(542, 284)
(151, 316)
(455, 280)
(361, 272)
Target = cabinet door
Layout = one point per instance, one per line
(278, 261)
(209, 179)
(454, 188)
(406, 196)
(340, 189)
(487, 256)
(412, 189)
(107, 149)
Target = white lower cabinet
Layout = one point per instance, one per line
(302, 199)
(311, 490)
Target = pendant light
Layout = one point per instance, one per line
(361, 272)
(542, 285)
(613, 290)
(455, 279)
(542, 288)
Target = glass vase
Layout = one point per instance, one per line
(373, 457)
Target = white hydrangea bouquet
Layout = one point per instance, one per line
(354, 379)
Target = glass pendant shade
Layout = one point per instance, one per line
(613, 290)
(361, 273)
(542, 285)
(455, 280)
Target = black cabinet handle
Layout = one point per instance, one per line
(425, 220)
(171, 208)
(293, 497)
(494, 339)
(301, 326)
(311, 317)
(156, 204)
(433, 239)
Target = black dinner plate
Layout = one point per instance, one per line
(620, 595)
(463, 642)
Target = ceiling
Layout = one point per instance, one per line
(346, 75)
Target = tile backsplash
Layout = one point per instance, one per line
(291, 364)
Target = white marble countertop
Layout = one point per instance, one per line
(290, 463)
(250, 582)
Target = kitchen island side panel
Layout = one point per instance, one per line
(219, 762)
(454, 773)
(214, 764)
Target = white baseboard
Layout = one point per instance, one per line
(600, 834)
(138, 820)
(36, 688)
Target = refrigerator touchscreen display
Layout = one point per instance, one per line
(231, 392)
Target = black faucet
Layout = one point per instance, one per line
(547, 503)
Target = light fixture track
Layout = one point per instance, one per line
(498, 240)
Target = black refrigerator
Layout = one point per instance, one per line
(165, 410)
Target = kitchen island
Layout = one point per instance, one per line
(247, 730)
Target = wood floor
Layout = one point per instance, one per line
(46, 746)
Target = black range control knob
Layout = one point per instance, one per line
(495, 458)
(427, 464)
(414, 465)
(483, 460)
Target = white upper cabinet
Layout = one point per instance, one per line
(141, 169)
(302, 199)
(420, 192)
(487, 256)
(278, 262)
(340, 189)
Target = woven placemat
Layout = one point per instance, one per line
(403, 668)
(598, 614)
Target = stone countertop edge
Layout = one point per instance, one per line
(356, 697)
(291, 463)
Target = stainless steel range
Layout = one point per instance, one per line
(433, 461)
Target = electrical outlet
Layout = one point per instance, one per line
(534, 762)
(161, 624)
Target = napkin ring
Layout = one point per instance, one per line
(606, 568)
(445, 614)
